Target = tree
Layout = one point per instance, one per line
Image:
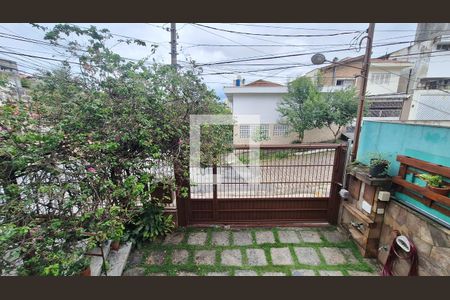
(295, 107)
(79, 154)
(338, 109)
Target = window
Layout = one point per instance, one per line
(264, 131)
(280, 130)
(380, 78)
(345, 82)
(254, 131)
(244, 131)
(443, 46)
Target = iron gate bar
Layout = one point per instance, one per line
(289, 190)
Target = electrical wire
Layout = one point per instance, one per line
(278, 35)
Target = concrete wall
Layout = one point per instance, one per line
(425, 140)
(429, 105)
(264, 105)
(316, 135)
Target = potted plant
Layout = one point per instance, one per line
(116, 232)
(435, 184)
(378, 166)
(84, 264)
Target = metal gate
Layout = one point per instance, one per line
(271, 186)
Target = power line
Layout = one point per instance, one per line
(277, 35)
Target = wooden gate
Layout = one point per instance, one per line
(286, 185)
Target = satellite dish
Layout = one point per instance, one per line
(318, 59)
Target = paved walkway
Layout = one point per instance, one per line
(251, 252)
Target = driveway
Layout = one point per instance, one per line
(251, 252)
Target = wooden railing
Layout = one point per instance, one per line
(409, 165)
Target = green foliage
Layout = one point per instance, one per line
(76, 160)
(149, 223)
(432, 180)
(306, 108)
(26, 83)
(295, 106)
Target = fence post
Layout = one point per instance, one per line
(338, 171)
(215, 202)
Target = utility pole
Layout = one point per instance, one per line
(362, 91)
(173, 44)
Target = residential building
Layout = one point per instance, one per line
(382, 87)
(428, 81)
(9, 69)
(262, 98)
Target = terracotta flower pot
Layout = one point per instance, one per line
(115, 245)
(441, 191)
(86, 272)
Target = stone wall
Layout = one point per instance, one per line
(431, 240)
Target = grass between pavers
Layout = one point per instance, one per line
(168, 268)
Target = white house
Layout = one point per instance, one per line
(428, 81)
(261, 98)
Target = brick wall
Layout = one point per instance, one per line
(431, 240)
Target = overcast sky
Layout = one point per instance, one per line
(208, 45)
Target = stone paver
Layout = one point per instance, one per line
(330, 273)
(303, 272)
(241, 253)
(218, 274)
(197, 238)
(333, 256)
(264, 237)
(334, 236)
(281, 256)
(205, 257)
(231, 258)
(156, 258)
(136, 257)
(183, 273)
(245, 273)
(350, 256)
(138, 271)
(157, 274)
(309, 236)
(220, 238)
(256, 257)
(180, 257)
(242, 238)
(174, 238)
(288, 237)
(273, 274)
(307, 256)
(360, 273)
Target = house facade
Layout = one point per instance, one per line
(385, 99)
(261, 98)
(428, 80)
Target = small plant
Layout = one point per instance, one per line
(378, 166)
(435, 183)
(432, 180)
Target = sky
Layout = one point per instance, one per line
(216, 43)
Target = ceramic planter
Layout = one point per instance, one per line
(441, 191)
(86, 272)
(115, 245)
